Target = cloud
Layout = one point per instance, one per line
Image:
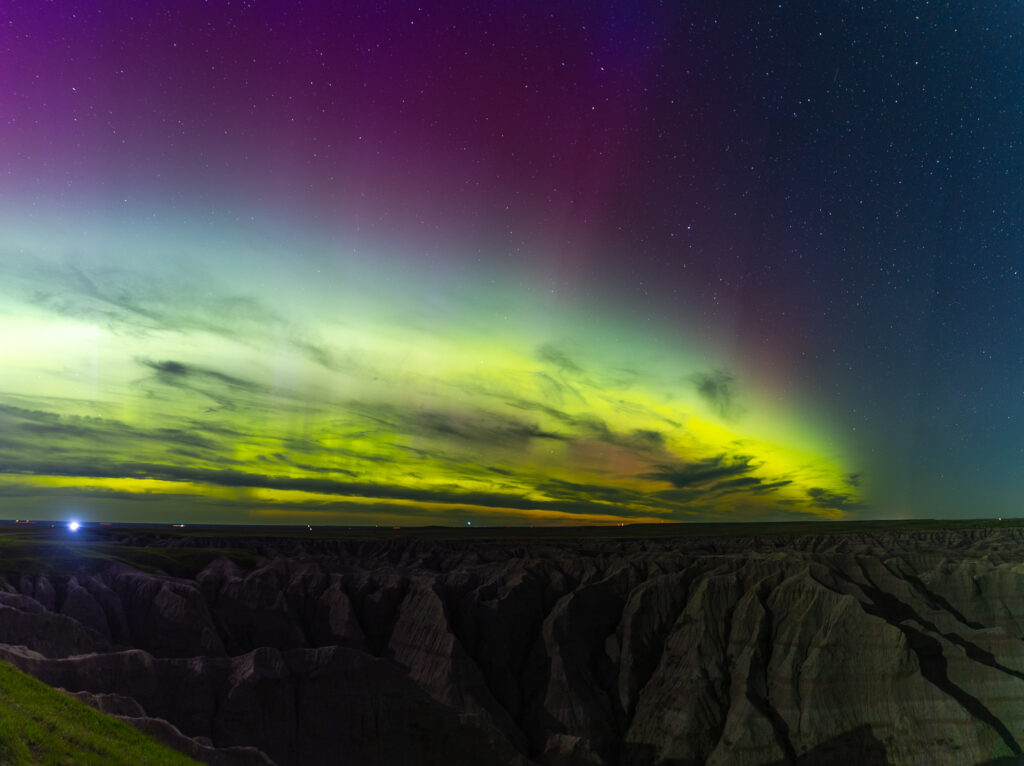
(749, 484)
(15, 489)
(221, 391)
(645, 439)
(557, 391)
(278, 459)
(479, 426)
(174, 373)
(555, 356)
(169, 369)
(321, 486)
(591, 427)
(38, 443)
(561, 489)
(131, 301)
(680, 495)
(833, 501)
(528, 432)
(474, 426)
(703, 471)
(29, 430)
(718, 389)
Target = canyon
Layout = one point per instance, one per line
(873, 648)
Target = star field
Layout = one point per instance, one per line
(547, 262)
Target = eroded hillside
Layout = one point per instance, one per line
(889, 648)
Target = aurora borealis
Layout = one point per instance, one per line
(180, 390)
(522, 263)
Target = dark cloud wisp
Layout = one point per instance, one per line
(718, 389)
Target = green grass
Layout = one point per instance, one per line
(40, 726)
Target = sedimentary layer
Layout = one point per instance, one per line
(901, 648)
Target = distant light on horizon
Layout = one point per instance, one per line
(73, 526)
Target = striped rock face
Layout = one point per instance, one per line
(886, 648)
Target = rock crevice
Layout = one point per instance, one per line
(877, 649)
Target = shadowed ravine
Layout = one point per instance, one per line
(875, 649)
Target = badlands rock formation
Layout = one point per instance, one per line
(902, 648)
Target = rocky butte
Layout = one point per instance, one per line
(870, 645)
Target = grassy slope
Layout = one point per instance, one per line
(40, 726)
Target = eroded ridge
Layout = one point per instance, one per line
(901, 648)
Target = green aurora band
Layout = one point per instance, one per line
(144, 385)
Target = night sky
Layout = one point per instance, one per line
(521, 262)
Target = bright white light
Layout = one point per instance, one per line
(73, 526)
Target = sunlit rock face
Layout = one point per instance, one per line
(860, 649)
